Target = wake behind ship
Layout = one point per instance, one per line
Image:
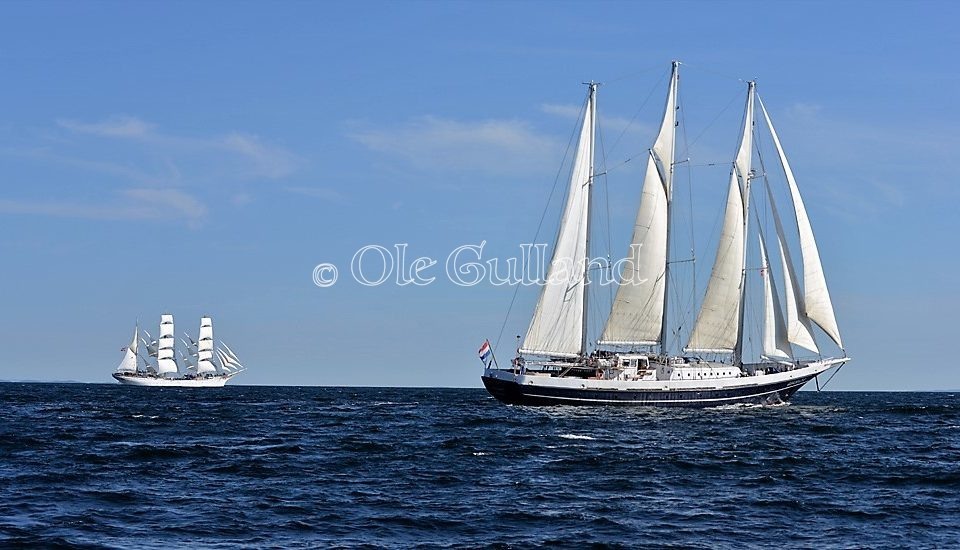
(632, 363)
(204, 365)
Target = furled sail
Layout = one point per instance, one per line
(557, 327)
(165, 349)
(129, 361)
(798, 325)
(775, 344)
(637, 315)
(819, 308)
(718, 325)
(205, 347)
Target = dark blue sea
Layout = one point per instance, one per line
(109, 466)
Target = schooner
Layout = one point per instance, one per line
(631, 362)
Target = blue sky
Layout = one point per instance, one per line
(201, 158)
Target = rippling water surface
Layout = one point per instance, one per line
(115, 466)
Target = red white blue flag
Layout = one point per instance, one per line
(486, 354)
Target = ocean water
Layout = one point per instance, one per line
(109, 466)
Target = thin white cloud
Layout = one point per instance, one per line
(170, 175)
(488, 146)
(270, 161)
(261, 160)
(157, 203)
(241, 199)
(571, 112)
(160, 174)
(115, 126)
(804, 110)
(615, 124)
(324, 193)
(131, 204)
(866, 169)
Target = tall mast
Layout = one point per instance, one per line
(637, 315)
(718, 328)
(166, 363)
(558, 326)
(748, 127)
(592, 106)
(667, 167)
(136, 337)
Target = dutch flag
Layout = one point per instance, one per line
(486, 354)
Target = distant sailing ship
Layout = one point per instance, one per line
(203, 366)
(632, 362)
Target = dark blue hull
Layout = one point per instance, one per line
(512, 393)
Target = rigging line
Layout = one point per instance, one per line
(717, 73)
(606, 198)
(646, 70)
(831, 377)
(769, 270)
(693, 242)
(591, 293)
(768, 197)
(677, 296)
(602, 173)
(643, 104)
(560, 171)
(717, 117)
(755, 322)
(543, 216)
(710, 164)
(714, 232)
(621, 164)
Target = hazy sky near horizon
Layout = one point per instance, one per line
(202, 158)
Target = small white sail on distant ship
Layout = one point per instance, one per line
(203, 365)
(632, 362)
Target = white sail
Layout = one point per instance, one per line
(178, 366)
(147, 367)
(718, 325)
(205, 347)
(188, 362)
(229, 351)
(775, 344)
(150, 344)
(189, 342)
(129, 361)
(798, 325)
(218, 360)
(819, 308)
(229, 358)
(638, 308)
(165, 349)
(557, 327)
(225, 362)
